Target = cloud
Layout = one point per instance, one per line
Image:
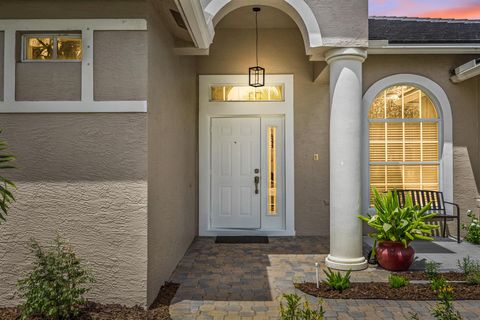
(460, 9)
(466, 12)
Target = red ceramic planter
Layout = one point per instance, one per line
(393, 256)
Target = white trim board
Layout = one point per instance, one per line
(208, 110)
(73, 106)
(440, 99)
(87, 103)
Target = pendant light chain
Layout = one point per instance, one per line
(256, 35)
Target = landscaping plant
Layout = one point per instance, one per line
(337, 281)
(396, 282)
(444, 310)
(473, 228)
(54, 289)
(437, 283)
(431, 269)
(471, 269)
(397, 224)
(6, 196)
(468, 265)
(294, 309)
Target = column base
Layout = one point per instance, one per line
(355, 264)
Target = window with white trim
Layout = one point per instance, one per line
(51, 47)
(403, 140)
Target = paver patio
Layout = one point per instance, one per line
(246, 281)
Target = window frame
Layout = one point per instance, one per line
(55, 36)
(436, 120)
(445, 129)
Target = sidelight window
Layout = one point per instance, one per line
(272, 171)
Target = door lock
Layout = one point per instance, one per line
(257, 170)
(257, 180)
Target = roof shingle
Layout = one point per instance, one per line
(423, 30)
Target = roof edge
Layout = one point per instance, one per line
(423, 19)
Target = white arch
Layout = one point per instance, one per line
(440, 99)
(298, 10)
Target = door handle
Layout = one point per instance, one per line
(257, 180)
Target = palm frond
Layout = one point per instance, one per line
(6, 195)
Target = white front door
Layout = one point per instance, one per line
(245, 133)
(236, 198)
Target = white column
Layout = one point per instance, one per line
(345, 158)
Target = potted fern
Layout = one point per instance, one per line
(395, 227)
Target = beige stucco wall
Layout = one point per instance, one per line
(85, 177)
(48, 81)
(342, 23)
(81, 175)
(465, 103)
(282, 52)
(122, 56)
(71, 9)
(172, 156)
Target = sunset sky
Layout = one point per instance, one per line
(459, 9)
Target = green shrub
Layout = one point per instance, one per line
(337, 281)
(396, 282)
(471, 269)
(55, 287)
(431, 269)
(444, 310)
(473, 228)
(473, 278)
(295, 310)
(468, 265)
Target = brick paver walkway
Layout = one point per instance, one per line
(245, 281)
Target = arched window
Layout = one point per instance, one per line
(404, 140)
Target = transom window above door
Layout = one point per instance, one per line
(239, 93)
(403, 140)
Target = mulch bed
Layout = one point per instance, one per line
(420, 275)
(94, 311)
(382, 291)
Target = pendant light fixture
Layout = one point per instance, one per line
(256, 75)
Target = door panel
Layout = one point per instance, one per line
(235, 156)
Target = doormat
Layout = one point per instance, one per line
(239, 239)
